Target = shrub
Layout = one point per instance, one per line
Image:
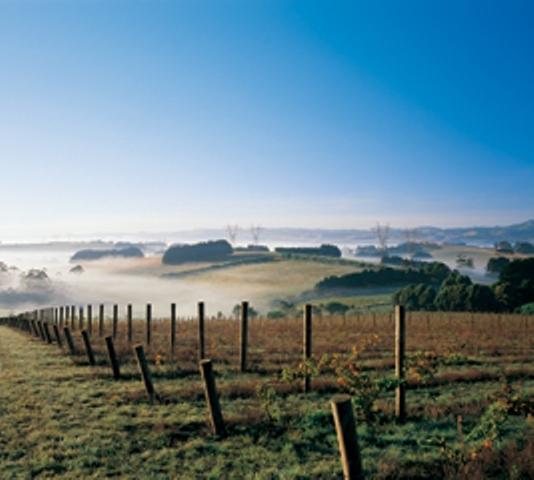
(323, 250)
(198, 252)
(496, 264)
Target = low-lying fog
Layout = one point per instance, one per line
(40, 275)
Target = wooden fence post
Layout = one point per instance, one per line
(41, 330)
(243, 337)
(67, 315)
(88, 348)
(61, 315)
(113, 358)
(148, 323)
(130, 322)
(145, 372)
(69, 340)
(173, 327)
(307, 344)
(201, 346)
(101, 320)
(90, 319)
(58, 336)
(80, 318)
(400, 346)
(347, 437)
(212, 398)
(115, 325)
(47, 332)
(72, 317)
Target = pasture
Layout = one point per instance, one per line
(469, 400)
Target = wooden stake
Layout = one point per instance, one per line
(347, 437)
(69, 340)
(101, 320)
(90, 319)
(58, 336)
(201, 346)
(400, 345)
(243, 337)
(88, 348)
(307, 344)
(212, 398)
(173, 327)
(130, 322)
(145, 372)
(115, 325)
(48, 337)
(113, 358)
(148, 323)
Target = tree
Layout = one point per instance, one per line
(255, 231)
(524, 247)
(338, 308)
(232, 232)
(496, 264)
(382, 234)
(516, 284)
(504, 247)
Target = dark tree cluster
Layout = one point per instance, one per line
(199, 252)
(513, 292)
(428, 273)
(128, 252)
(324, 250)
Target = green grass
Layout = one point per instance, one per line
(63, 418)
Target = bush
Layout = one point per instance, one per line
(496, 264)
(198, 252)
(527, 309)
(323, 250)
(428, 273)
(128, 252)
(416, 297)
(334, 308)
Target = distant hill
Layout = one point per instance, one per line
(480, 236)
(88, 254)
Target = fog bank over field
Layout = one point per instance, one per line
(107, 281)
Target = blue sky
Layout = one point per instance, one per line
(146, 116)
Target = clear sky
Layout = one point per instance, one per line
(137, 115)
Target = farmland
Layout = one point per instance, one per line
(470, 390)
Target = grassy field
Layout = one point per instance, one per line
(61, 417)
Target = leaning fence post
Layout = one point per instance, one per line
(400, 344)
(113, 358)
(70, 341)
(130, 322)
(47, 332)
(115, 324)
(307, 345)
(243, 337)
(347, 437)
(41, 330)
(212, 398)
(88, 348)
(58, 336)
(201, 347)
(148, 323)
(173, 327)
(145, 372)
